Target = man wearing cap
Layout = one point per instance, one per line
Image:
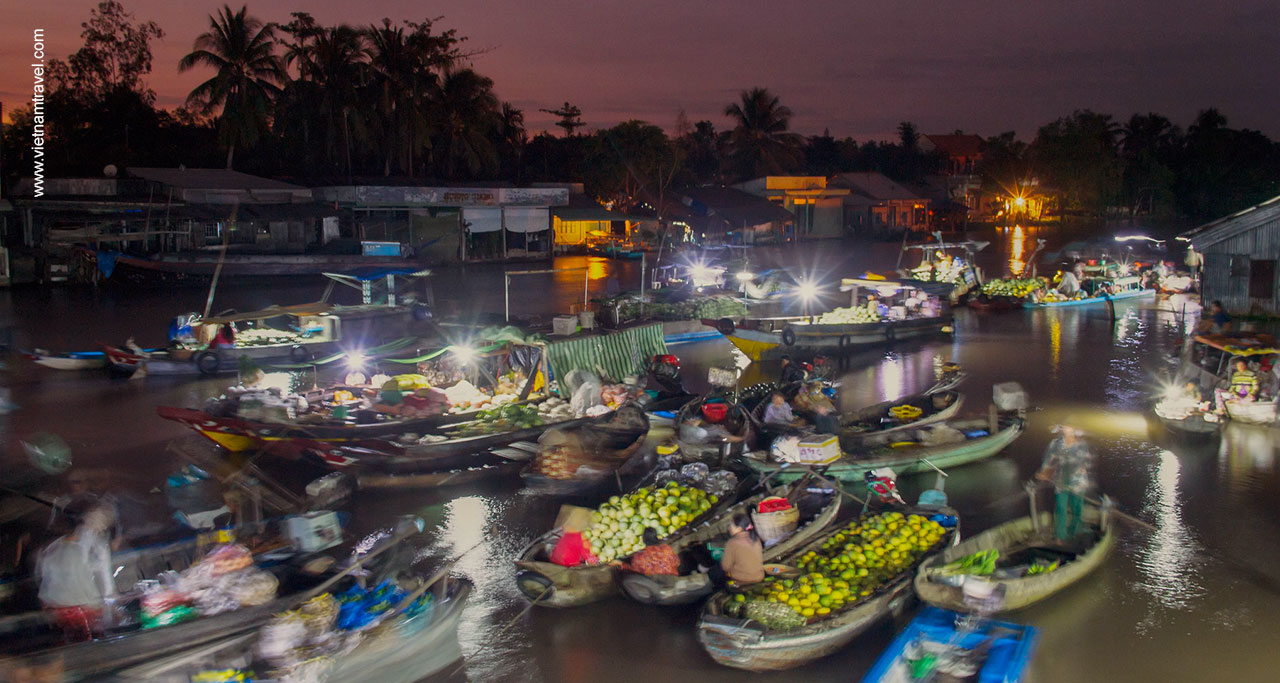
(1069, 465)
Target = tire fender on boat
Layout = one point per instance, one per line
(534, 585)
(890, 333)
(299, 354)
(641, 588)
(207, 362)
(725, 326)
(845, 342)
(789, 337)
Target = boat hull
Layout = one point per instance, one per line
(852, 470)
(741, 645)
(1024, 591)
(1009, 647)
(1135, 294)
(760, 344)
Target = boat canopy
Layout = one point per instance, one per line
(316, 308)
(968, 245)
(1255, 344)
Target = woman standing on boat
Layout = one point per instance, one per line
(1068, 463)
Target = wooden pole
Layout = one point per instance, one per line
(222, 257)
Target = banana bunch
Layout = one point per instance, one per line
(905, 412)
(981, 563)
(847, 316)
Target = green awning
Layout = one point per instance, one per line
(613, 356)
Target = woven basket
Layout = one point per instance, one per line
(181, 354)
(772, 526)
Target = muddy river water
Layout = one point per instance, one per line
(1197, 599)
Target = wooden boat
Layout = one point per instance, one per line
(948, 263)
(71, 360)
(387, 456)
(935, 406)
(1021, 541)
(771, 338)
(1129, 287)
(551, 585)
(737, 422)
(818, 507)
(743, 644)
(997, 651)
(1192, 426)
(197, 269)
(1209, 360)
(610, 449)
(904, 453)
(402, 649)
(125, 649)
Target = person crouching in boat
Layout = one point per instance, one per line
(572, 549)
(779, 411)
(743, 559)
(1242, 387)
(882, 488)
(75, 572)
(1068, 463)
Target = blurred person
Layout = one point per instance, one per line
(75, 572)
(779, 411)
(792, 371)
(572, 549)
(1068, 464)
(1243, 386)
(743, 559)
(1070, 283)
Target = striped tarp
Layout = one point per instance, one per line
(613, 356)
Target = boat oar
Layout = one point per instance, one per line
(1256, 577)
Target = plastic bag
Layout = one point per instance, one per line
(173, 615)
(228, 558)
(586, 397)
(786, 449)
(694, 473)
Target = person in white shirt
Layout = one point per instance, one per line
(1071, 280)
(75, 573)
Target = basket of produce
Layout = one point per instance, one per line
(774, 518)
(180, 353)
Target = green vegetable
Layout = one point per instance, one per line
(981, 563)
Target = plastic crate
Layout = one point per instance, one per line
(564, 325)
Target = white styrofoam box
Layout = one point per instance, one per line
(820, 451)
(564, 324)
(313, 531)
(587, 319)
(1010, 396)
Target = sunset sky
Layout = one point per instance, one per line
(857, 68)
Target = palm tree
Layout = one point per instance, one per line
(512, 138)
(468, 113)
(339, 68)
(760, 142)
(241, 49)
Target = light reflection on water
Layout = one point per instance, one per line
(1016, 244)
(1167, 561)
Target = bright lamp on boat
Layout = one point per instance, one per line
(356, 359)
(464, 353)
(807, 290)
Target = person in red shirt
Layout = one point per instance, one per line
(572, 549)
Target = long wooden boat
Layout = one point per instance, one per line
(818, 507)
(237, 434)
(744, 644)
(611, 447)
(551, 585)
(999, 651)
(771, 338)
(388, 456)
(197, 269)
(72, 360)
(899, 452)
(1017, 539)
(1131, 288)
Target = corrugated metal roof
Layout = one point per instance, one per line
(210, 179)
(874, 186)
(1227, 227)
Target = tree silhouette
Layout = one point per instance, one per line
(241, 49)
(569, 118)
